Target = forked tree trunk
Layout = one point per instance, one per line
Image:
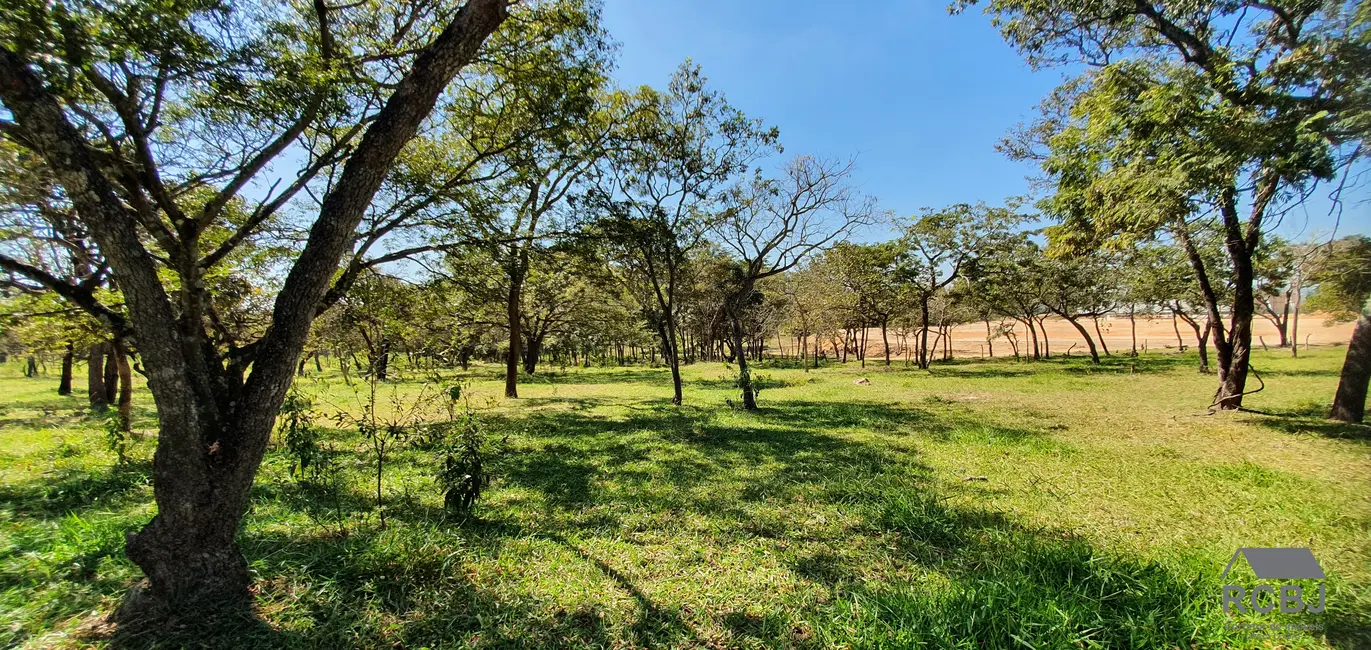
(1047, 346)
(215, 421)
(1033, 336)
(533, 351)
(1349, 403)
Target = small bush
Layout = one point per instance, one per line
(467, 451)
(300, 436)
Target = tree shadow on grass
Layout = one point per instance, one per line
(1000, 584)
(629, 374)
(74, 491)
(989, 581)
(1311, 419)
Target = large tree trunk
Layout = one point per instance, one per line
(1241, 248)
(95, 378)
(1349, 403)
(214, 423)
(68, 357)
(1233, 381)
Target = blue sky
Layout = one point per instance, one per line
(920, 96)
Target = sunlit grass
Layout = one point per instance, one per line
(979, 505)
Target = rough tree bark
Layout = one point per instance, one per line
(215, 419)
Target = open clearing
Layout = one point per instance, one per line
(1154, 334)
(838, 515)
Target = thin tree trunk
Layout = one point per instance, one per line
(1103, 345)
(1295, 316)
(861, 350)
(125, 375)
(989, 338)
(111, 374)
(744, 373)
(68, 357)
(923, 344)
(1047, 347)
(1201, 335)
(885, 340)
(1075, 322)
(512, 311)
(1030, 323)
(1133, 328)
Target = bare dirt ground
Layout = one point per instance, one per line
(1154, 334)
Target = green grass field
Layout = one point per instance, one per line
(979, 505)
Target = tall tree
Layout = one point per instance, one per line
(1189, 109)
(1343, 276)
(1079, 287)
(938, 246)
(154, 118)
(771, 225)
(662, 187)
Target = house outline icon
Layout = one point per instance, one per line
(1279, 563)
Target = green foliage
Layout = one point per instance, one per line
(837, 515)
(467, 449)
(300, 436)
(1343, 276)
(117, 436)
